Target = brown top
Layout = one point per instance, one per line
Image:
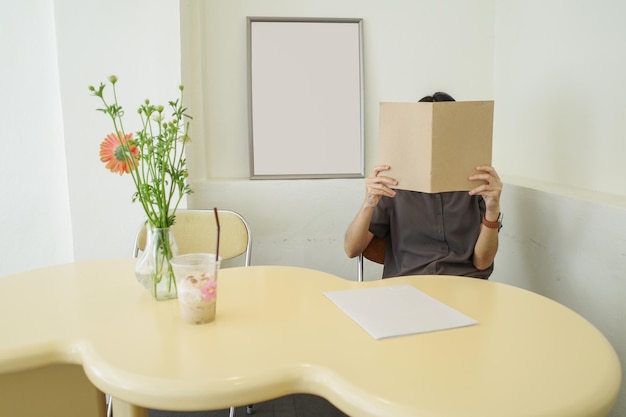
(429, 234)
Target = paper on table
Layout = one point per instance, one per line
(397, 310)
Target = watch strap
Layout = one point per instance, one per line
(493, 225)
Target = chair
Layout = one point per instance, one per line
(196, 231)
(375, 252)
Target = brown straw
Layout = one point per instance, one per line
(217, 244)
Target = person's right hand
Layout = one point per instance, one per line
(377, 186)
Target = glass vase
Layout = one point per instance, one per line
(153, 269)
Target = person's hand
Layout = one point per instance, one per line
(377, 186)
(490, 190)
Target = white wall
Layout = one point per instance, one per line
(554, 69)
(560, 126)
(559, 87)
(35, 227)
(139, 41)
(59, 202)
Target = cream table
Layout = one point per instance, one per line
(276, 334)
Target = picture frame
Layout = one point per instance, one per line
(305, 96)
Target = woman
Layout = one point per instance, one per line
(451, 233)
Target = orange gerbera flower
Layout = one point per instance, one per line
(112, 153)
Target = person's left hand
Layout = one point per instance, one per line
(490, 190)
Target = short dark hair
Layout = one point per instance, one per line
(438, 96)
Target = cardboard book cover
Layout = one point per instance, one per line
(435, 147)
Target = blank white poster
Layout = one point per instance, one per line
(305, 98)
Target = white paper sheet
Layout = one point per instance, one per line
(397, 310)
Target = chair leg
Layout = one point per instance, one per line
(109, 406)
(359, 268)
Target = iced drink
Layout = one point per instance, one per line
(196, 281)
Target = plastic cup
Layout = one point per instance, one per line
(196, 282)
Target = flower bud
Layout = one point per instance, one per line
(113, 79)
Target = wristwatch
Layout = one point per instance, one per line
(493, 225)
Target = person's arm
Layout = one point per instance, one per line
(358, 235)
(487, 243)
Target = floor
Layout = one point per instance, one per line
(299, 405)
